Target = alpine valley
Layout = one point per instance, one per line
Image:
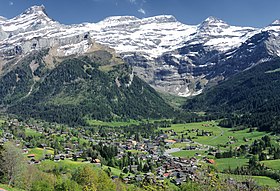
(172, 57)
(154, 103)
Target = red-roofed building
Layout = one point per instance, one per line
(31, 155)
(166, 174)
(211, 161)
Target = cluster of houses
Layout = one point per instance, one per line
(176, 169)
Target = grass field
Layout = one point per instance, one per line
(220, 135)
(112, 124)
(273, 164)
(120, 123)
(31, 132)
(192, 153)
(114, 171)
(266, 181)
(225, 133)
(71, 165)
(39, 152)
(225, 163)
(66, 164)
(82, 140)
(220, 164)
(260, 180)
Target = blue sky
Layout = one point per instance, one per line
(257, 13)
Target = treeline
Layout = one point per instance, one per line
(265, 121)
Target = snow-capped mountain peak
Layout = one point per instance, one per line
(163, 51)
(275, 23)
(212, 22)
(152, 36)
(33, 18)
(35, 10)
(33, 13)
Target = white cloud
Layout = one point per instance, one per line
(139, 4)
(142, 11)
(11, 3)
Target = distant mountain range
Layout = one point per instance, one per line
(171, 56)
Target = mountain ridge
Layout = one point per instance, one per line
(170, 56)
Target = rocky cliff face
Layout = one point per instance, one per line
(171, 56)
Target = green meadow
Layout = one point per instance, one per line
(40, 152)
(70, 165)
(222, 138)
(32, 132)
(260, 180)
(192, 153)
(112, 124)
(120, 123)
(232, 163)
(273, 164)
(220, 135)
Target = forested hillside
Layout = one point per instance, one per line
(78, 88)
(251, 97)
